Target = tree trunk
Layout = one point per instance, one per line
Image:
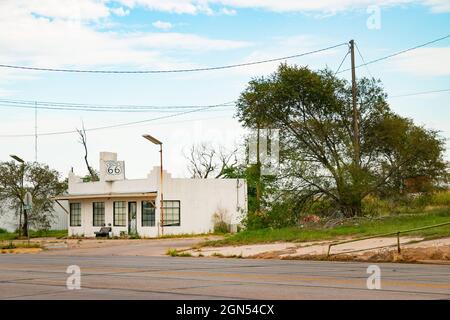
(352, 209)
(25, 224)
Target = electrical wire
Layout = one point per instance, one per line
(342, 62)
(399, 52)
(106, 127)
(419, 93)
(204, 108)
(173, 70)
(364, 61)
(107, 106)
(109, 110)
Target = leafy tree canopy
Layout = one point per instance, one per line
(313, 111)
(42, 182)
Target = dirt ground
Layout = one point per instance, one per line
(439, 255)
(21, 250)
(110, 247)
(378, 249)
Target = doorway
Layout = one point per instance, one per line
(132, 221)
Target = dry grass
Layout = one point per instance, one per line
(407, 255)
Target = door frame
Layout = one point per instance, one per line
(135, 217)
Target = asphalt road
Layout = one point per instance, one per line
(125, 277)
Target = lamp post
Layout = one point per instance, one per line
(22, 165)
(161, 205)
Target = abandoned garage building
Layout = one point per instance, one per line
(132, 206)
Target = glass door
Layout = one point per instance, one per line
(132, 221)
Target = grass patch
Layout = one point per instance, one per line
(4, 235)
(48, 233)
(176, 253)
(358, 228)
(19, 245)
(188, 235)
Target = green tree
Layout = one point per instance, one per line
(313, 111)
(42, 182)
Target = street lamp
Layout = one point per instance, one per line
(18, 159)
(161, 205)
(22, 162)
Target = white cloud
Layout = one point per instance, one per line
(120, 12)
(228, 12)
(175, 6)
(58, 9)
(162, 25)
(56, 39)
(438, 6)
(316, 6)
(424, 62)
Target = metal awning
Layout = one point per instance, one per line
(107, 196)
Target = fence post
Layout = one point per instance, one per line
(398, 242)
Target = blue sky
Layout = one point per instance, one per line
(156, 34)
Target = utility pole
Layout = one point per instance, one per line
(258, 168)
(35, 132)
(356, 139)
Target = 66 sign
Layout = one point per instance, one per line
(114, 168)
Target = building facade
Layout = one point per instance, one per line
(132, 206)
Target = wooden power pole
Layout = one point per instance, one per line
(356, 139)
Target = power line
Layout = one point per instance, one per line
(201, 109)
(173, 70)
(399, 52)
(106, 127)
(419, 93)
(364, 61)
(109, 110)
(107, 106)
(342, 62)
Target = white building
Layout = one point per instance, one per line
(133, 206)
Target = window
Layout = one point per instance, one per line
(120, 214)
(148, 213)
(98, 209)
(171, 213)
(75, 214)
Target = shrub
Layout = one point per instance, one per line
(176, 253)
(374, 207)
(282, 214)
(440, 198)
(221, 221)
(323, 208)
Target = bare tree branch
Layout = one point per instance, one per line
(204, 161)
(83, 141)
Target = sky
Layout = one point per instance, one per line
(182, 34)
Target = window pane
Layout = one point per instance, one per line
(171, 212)
(148, 213)
(75, 214)
(120, 214)
(98, 214)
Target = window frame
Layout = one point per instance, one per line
(165, 213)
(94, 213)
(152, 221)
(71, 214)
(123, 214)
